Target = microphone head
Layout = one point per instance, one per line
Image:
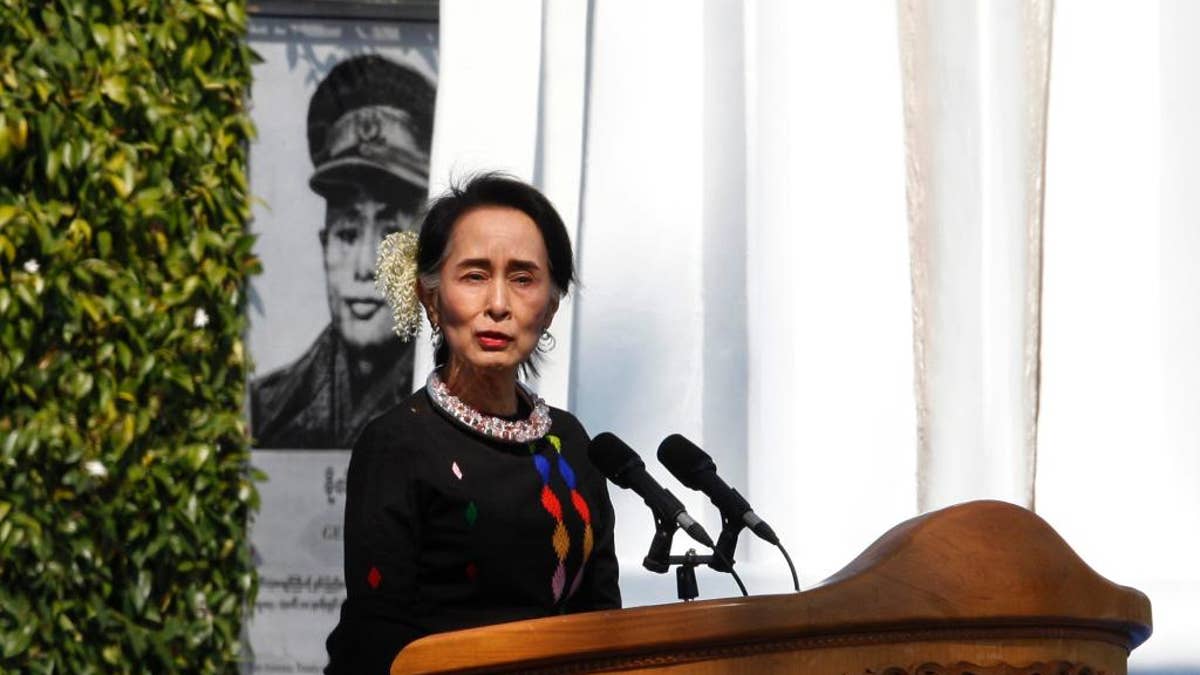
(684, 460)
(613, 458)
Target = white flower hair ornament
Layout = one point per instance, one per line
(396, 279)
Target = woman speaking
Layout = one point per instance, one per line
(472, 502)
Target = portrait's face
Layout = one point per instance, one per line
(495, 295)
(355, 224)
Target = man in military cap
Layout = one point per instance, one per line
(369, 128)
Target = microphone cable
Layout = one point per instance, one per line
(788, 558)
(729, 563)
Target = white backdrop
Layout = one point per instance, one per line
(742, 243)
(831, 439)
(1119, 451)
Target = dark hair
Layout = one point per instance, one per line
(494, 189)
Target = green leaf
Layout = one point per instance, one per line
(53, 162)
(90, 306)
(102, 35)
(116, 88)
(118, 183)
(111, 654)
(81, 384)
(16, 641)
(141, 590)
(198, 455)
(80, 229)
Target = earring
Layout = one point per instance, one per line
(547, 342)
(435, 336)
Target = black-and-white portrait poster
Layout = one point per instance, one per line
(344, 111)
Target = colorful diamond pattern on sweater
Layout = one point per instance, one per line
(561, 540)
(567, 472)
(543, 467)
(550, 503)
(471, 513)
(581, 506)
(587, 542)
(558, 581)
(576, 583)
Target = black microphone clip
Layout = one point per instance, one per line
(731, 526)
(658, 558)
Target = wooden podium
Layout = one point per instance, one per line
(983, 588)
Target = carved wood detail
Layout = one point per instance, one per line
(693, 655)
(963, 668)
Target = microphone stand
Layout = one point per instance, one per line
(685, 576)
(659, 559)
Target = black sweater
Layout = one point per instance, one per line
(446, 529)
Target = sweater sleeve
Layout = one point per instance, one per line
(382, 531)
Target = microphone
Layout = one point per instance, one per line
(622, 466)
(696, 470)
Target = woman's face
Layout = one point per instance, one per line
(495, 295)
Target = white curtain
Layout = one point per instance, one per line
(831, 435)
(1119, 446)
(734, 175)
(975, 76)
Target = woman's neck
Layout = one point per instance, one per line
(490, 392)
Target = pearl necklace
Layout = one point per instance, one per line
(509, 431)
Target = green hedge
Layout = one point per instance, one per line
(124, 256)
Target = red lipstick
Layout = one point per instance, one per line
(492, 340)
